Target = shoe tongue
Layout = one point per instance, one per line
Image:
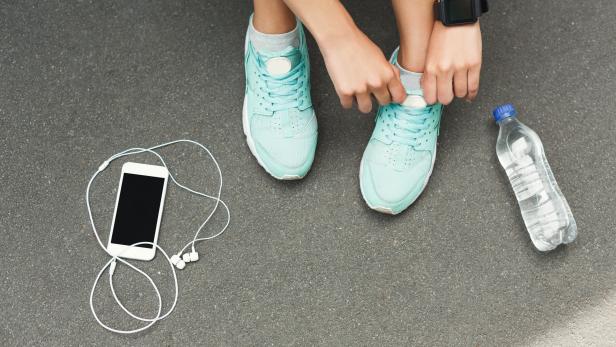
(278, 66)
(415, 101)
(280, 63)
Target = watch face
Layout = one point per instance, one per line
(459, 11)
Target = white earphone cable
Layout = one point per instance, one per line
(173, 261)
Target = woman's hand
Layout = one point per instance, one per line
(453, 63)
(355, 64)
(359, 69)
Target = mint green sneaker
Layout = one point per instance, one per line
(278, 118)
(399, 158)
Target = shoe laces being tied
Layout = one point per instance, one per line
(407, 123)
(281, 91)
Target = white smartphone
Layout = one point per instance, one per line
(138, 211)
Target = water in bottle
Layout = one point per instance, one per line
(545, 210)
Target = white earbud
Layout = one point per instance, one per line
(178, 262)
(186, 258)
(194, 256)
(190, 257)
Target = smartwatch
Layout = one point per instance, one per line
(459, 12)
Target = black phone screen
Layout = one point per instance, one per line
(137, 211)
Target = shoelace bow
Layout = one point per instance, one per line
(407, 125)
(282, 92)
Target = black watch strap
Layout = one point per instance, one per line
(479, 7)
(484, 6)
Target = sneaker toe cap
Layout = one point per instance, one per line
(287, 157)
(385, 188)
(287, 153)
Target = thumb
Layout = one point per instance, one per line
(396, 89)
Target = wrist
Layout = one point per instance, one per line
(335, 38)
(459, 12)
(334, 28)
(438, 25)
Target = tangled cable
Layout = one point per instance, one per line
(175, 261)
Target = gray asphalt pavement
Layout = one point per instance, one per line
(303, 263)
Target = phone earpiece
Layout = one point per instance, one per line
(186, 257)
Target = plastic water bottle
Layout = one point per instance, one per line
(545, 210)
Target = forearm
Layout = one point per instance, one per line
(327, 20)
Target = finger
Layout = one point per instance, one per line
(444, 88)
(346, 101)
(396, 71)
(473, 82)
(460, 85)
(396, 89)
(364, 103)
(428, 84)
(382, 95)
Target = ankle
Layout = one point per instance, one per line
(264, 41)
(281, 25)
(411, 80)
(410, 62)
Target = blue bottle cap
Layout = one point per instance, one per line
(503, 111)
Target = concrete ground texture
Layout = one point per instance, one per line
(306, 262)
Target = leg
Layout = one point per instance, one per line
(415, 22)
(273, 17)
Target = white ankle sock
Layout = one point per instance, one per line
(273, 42)
(410, 80)
(412, 83)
